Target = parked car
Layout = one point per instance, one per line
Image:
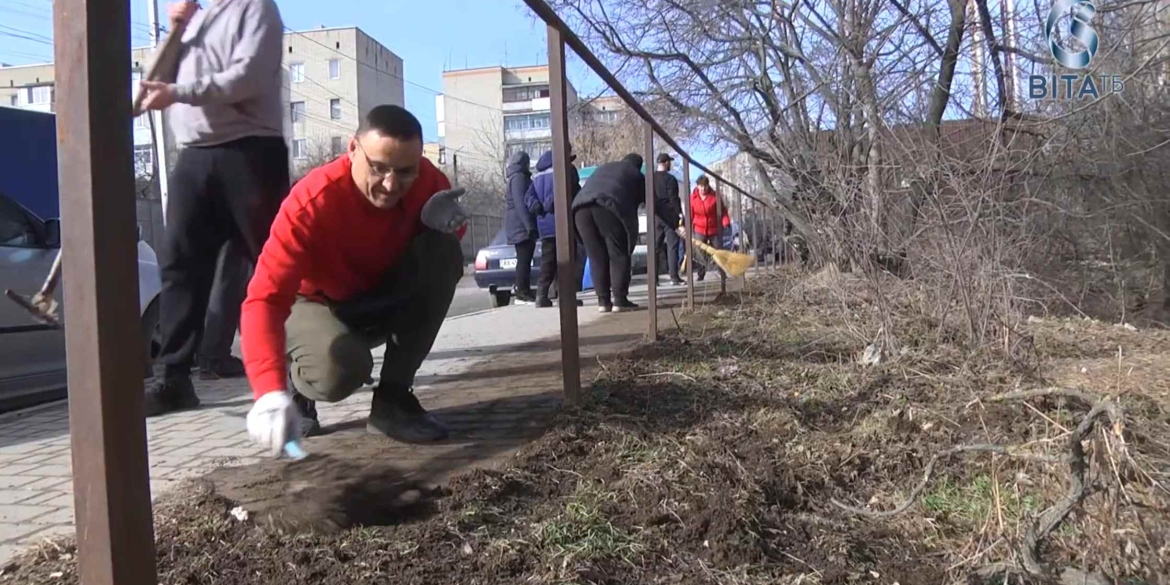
(32, 355)
(495, 265)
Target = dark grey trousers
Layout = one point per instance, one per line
(329, 343)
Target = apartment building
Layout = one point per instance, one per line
(332, 78)
(335, 77)
(486, 114)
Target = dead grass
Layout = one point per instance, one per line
(715, 455)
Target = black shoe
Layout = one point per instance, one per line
(217, 369)
(677, 283)
(524, 297)
(310, 425)
(397, 414)
(624, 306)
(169, 394)
(543, 303)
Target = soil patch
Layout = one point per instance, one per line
(716, 456)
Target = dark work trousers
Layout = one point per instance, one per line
(608, 246)
(329, 343)
(524, 252)
(548, 267)
(229, 192)
(580, 256)
(232, 273)
(705, 260)
(666, 245)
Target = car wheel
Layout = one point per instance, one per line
(501, 298)
(151, 338)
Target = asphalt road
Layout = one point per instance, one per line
(468, 298)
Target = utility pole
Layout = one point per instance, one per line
(158, 139)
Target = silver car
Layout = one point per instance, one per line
(32, 355)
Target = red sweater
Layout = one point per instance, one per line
(326, 240)
(703, 214)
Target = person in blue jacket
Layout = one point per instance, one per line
(520, 223)
(540, 200)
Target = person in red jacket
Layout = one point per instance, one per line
(706, 216)
(365, 250)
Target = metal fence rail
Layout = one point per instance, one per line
(560, 35)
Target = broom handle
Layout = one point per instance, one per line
(706, 248)
(163, 59)
(53, 277)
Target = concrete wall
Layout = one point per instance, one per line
(380, 75)
(473, 132)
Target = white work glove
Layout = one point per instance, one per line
(443, 213)
(681, 231)
(273, 420)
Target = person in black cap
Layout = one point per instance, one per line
(666, 198)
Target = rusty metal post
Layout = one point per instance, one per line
(651, 231)
(566, 237)
(755, 246)
(107, 424)
(719, 230)
(742, 231)
(690, 244)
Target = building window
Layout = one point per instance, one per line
(534, 148)
(605, 116)
(296, 72)
(527, 122)
(335, 109)
(14, 99)
(296, 112)
(337, 145)
(335, 69)
(41, 94)
(300, 148)
(143, 160)
(523, 94)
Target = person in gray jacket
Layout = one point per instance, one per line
(232, 172)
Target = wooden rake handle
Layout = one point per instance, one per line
(164, 60)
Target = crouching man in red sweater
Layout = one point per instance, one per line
(365, 251)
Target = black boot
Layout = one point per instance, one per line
(310, 425)
(397, 414)
(172, 392)
(216, 369)
(625, 305)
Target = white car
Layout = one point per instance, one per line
(32, 355)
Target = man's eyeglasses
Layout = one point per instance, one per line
(380, 170)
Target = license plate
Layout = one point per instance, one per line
(508, 263)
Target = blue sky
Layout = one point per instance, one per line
(430, 36)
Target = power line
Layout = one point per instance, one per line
(25, 38)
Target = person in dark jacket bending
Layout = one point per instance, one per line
(540, 200)
(606, 215)
(666, 197)
(520, 223)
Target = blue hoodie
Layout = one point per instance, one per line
(541, 196)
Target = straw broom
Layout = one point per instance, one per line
(732, 263)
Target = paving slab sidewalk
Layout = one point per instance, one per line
(495, 376)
